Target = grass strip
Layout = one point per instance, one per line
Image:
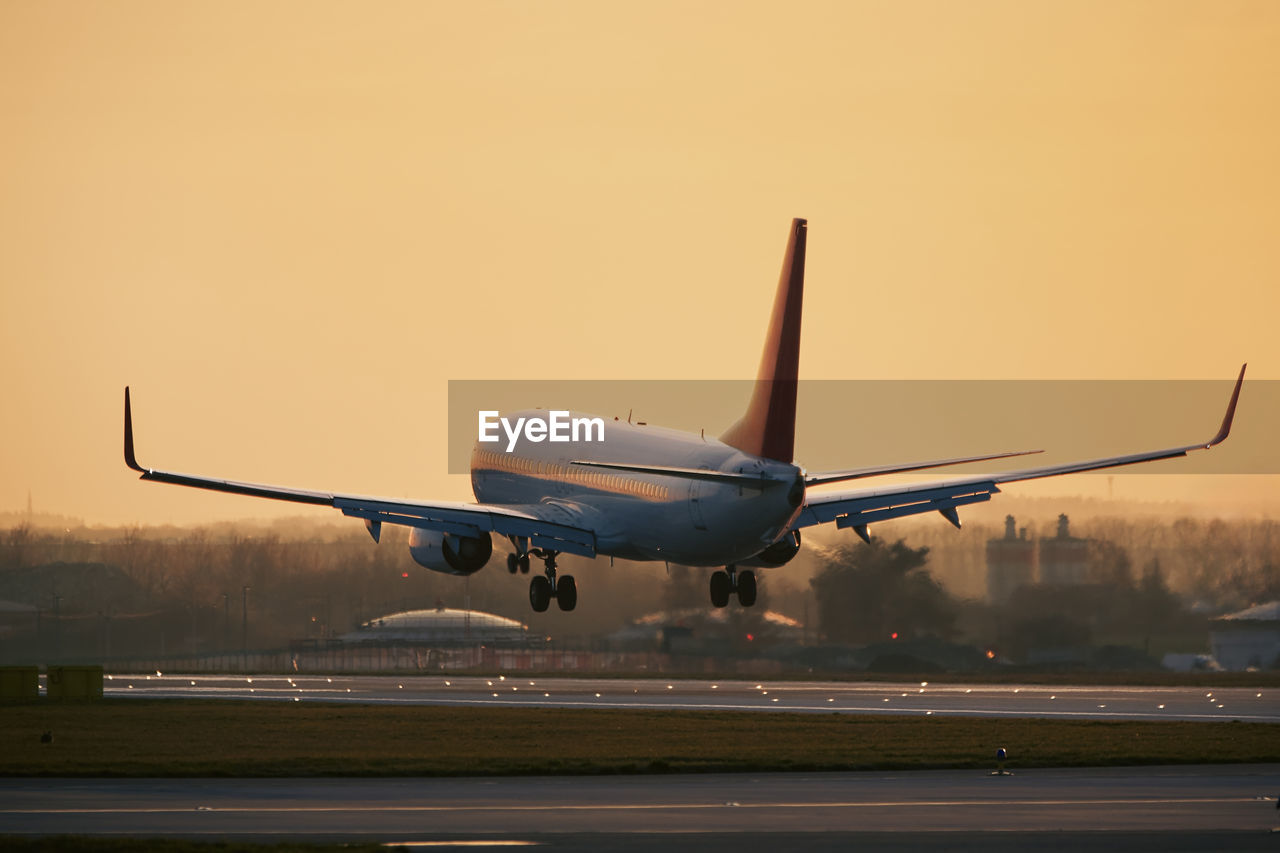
(176, 737)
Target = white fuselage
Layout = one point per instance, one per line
(644, 516)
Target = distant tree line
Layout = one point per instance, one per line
(883, 592)
(219, 587)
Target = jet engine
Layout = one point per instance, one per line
(444, 552)
(777, 554)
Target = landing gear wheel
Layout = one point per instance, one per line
(540, 593)
(721, 586)
(746, 588)
(512, 562)
(566, 592)
(524, 564)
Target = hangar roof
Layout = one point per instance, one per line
(1269, 612)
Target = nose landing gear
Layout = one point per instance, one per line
(725, 583)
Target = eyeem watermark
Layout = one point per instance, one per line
(558, 427)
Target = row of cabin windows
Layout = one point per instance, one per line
(509, 463)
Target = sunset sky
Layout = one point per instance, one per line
(287, 225)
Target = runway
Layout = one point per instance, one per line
(916, 698)
(1134, 809)
(1126, 808)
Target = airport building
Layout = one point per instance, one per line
(1247, 640)
(1064, 559)
(703, 631)
(1011, 562)
(441, 626)
(1014, 560)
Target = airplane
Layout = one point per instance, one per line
(737, 503)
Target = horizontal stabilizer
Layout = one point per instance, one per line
(858, 473)
(750, 480)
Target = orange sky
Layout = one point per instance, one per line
(288, 224)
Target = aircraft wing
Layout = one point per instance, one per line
(463, 519)
(857, 508)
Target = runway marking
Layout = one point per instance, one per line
(222, 683)
(699, 706)
(563, 807)
(693, 686)
(794, 687)
(794, 697)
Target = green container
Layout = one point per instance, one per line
(19, 682)
(74, 682)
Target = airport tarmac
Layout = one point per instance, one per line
(1179, 808)
(915, 698)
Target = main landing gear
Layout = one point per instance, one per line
(544, 587)
(730, 580)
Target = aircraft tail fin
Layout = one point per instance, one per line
(769, 425)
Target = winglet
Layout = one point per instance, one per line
(1225, 429)
(129, 458)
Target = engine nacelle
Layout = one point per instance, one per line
(777, 554)
(444, 552)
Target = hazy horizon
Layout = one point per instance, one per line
(1027, 508)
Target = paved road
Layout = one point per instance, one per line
(1104, 703)
(1199, 808)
